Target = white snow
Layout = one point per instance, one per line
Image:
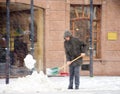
(34, 82)
(39, 82)
(29, 61)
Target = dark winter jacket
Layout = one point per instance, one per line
(73, 49)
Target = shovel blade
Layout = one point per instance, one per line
(54, 71)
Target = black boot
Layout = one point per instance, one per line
(76, 87)
(70, 87)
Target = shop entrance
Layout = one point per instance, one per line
(20, 37)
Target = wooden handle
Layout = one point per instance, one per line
(71, 62)
(76, 58)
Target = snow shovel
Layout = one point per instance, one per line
(56, 70)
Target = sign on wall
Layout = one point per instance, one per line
(112, 35)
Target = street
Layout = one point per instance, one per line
(58, 85)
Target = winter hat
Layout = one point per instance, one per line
(67, 34)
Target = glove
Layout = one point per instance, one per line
(69, 62)
(82, 54)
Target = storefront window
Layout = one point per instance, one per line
(80, 26)
(20, 32)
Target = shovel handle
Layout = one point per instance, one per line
(71, 62)
(76, 59)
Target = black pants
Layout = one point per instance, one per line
(74, 74)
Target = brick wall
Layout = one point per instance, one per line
(110, 49)
(110, 22)
(56, 27)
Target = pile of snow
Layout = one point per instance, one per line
(35, 82)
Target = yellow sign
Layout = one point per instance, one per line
(112, 35)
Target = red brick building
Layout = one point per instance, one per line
(53, 17)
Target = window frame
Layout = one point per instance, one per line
(76, 17)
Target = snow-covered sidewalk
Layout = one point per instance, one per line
(41, 84)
